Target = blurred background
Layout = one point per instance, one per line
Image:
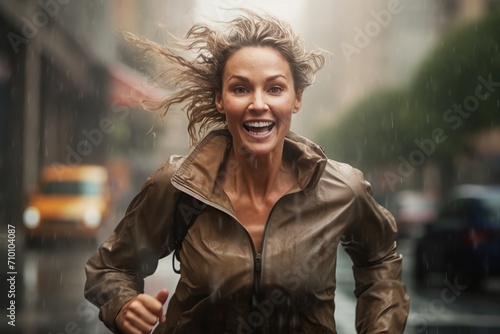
(410, 94)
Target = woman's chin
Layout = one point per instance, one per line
(261, 148)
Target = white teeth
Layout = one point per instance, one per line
(258, 124)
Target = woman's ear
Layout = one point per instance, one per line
(298, 102)
(218, 102)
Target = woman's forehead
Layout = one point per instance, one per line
(257, 58)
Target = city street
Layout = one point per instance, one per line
(95, 95)
(54, 304)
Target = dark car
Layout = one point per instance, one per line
(463, 244)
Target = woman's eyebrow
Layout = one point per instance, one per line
(244, 78)
(274, 77)
(238, 77)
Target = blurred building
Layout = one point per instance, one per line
(374, 45)
(147, 145)
(70, 86)
(52, 92)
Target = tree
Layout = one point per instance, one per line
(457, 87)
(371, 133)
(454, 95)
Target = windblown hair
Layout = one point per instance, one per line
(195, 81)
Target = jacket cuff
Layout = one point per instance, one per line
(110, 310)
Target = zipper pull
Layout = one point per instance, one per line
(258, 262)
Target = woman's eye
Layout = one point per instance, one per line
(239, 90)
(276, 90)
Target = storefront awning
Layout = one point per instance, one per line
(128, 87)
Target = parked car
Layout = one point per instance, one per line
(69, 201)
(412, 210)
(463, 243)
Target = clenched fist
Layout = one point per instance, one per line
(140, 314)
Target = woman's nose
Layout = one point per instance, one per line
(258, 102)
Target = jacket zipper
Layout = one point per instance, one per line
(256, 283)
(257, 256)
(258, 259)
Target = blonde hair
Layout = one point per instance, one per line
(195, 81)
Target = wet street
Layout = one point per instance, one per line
(443, 309)
(53, 303)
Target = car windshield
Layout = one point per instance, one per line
(72, 188)
(471, 212)
(492, 211)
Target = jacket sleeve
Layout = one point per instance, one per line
(370, 241)
(116, 271)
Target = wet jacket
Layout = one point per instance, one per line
(228, 286)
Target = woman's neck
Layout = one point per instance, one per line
(258, 177)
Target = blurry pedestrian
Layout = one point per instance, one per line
(266, 208)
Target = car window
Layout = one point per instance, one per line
(459, 213)
(484, 213)
(464, 207)
(492, 212)
(72, 188)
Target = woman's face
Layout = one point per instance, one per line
(258, 98)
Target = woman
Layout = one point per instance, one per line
(260, 255)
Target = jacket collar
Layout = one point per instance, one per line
(200, 170)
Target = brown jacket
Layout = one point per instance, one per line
(227, 286)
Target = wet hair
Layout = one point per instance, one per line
(196, 80)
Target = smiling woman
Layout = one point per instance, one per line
(259, 202)
(258, 99)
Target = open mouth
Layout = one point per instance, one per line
(258, 128)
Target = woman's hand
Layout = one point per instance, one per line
(139, 315)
